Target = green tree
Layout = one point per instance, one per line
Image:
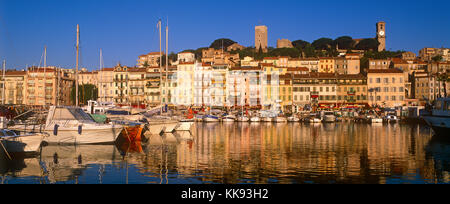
(290, 52)
(367, 44)
(344, 42)
(300, 44)
(437, 58)
(323, 44)
(86, 92)
(222, 42)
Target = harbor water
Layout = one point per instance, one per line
(249, 153)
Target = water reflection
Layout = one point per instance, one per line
(250, 153)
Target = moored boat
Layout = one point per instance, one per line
(438, 116)
(280, 119)
(293, 119)
(255, 119)
(329, 117)
(13, 143)
(210, 119)
(243, 119)
(71, 125)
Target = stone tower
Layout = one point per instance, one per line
(261, 38)
(381, 35)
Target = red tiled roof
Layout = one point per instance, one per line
(384, 71)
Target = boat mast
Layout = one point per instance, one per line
(76, 69)
(167, 61)
(45, 78)
(160, 63)
(4, 82)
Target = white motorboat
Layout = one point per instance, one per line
(314, 120)
(391, 119)
(267, 119)
(229, 119)
(255, 119)
(14, 143)
(293, 119)
(71, 125)
(210, 119)
(329, 117)
(376, 120)
(243, 119)
(280, 119)
(439, 116)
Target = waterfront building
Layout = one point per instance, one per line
(150, 59)
(439, 67)
(426, 86)
(386, 87)
(86, 77)
(121, 89)
(48, 86)
(184, 92)
(285, 92)
(379, 63)
(408, 56)
(219, 56)
(244, 87)
(352, 91)
(427, 53)
(152, 86)
(218, 86)
(249, 62)
(261, 39)
(317, 89)
(106, 86)
(14, 87)
(136, 86)
(326, 65)
(311, 63)
(202, 83)
(186, 57)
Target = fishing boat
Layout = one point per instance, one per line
(13, 143)
(438, 116)
(71, 125)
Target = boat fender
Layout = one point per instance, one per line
(80, 129)
(55, 129)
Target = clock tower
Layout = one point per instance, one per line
(381, 35)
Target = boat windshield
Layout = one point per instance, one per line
(71, 114)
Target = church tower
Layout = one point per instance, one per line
(381, 35)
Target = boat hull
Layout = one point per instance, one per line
(25, 144)
(88, 136)
(255, 119)
(329, 119)
(185, 126)
(440, 125)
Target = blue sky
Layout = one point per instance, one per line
(125, 29)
